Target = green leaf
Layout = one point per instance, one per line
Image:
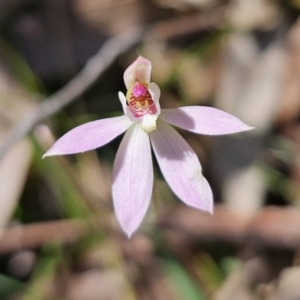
(8, 286)
(182, 282)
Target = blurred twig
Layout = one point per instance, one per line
(275, 227)
(76, 87)
(187, 24)
(38, 234)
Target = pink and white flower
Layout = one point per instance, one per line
(146, 123)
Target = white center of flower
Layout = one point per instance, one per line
(149, 123)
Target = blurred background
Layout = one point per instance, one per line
(59, 238)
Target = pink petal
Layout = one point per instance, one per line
(132, 179)
(126, 110)
(89, 136)
(204, 120)
(140, 69)
(181, 167)
(154, 91)
(123, 101)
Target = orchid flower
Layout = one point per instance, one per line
(146, 123)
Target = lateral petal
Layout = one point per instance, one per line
(123, 101)
(181, 168)
(89, 136)
(132, 179)
(126, 111)
(154, 91)
(140, 69)
(204, 120)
